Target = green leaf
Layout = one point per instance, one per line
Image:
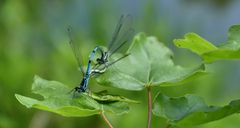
(191, 110)
(57, 99)
(149, 64)
(209, 52)
(195, 43)
(63, 109)
(103, 97)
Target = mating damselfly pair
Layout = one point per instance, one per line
(120, 38)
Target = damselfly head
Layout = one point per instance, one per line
(75, 90)
(102, 60)
(79, 89)
(99, 61)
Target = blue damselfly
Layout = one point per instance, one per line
(85, 74)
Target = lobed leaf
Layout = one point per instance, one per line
(191, 110)
(57, 99)
(149, 64)
(209, 52)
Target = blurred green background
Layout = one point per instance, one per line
(33, 40)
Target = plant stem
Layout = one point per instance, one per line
(168, 126)
(149, 106)
(106, 120)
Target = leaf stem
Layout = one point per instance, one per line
(106, 120)
(168, 126)
(149, 106)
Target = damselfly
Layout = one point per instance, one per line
(85, 75)
(123, 32)
(121, 36)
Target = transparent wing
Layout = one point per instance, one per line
(75, 49)
(115, 61)
(121, 35)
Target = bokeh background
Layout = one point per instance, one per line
(33, 40)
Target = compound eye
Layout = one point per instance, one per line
(98, 60)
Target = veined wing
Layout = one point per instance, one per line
(76, 51)
(121, 35)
